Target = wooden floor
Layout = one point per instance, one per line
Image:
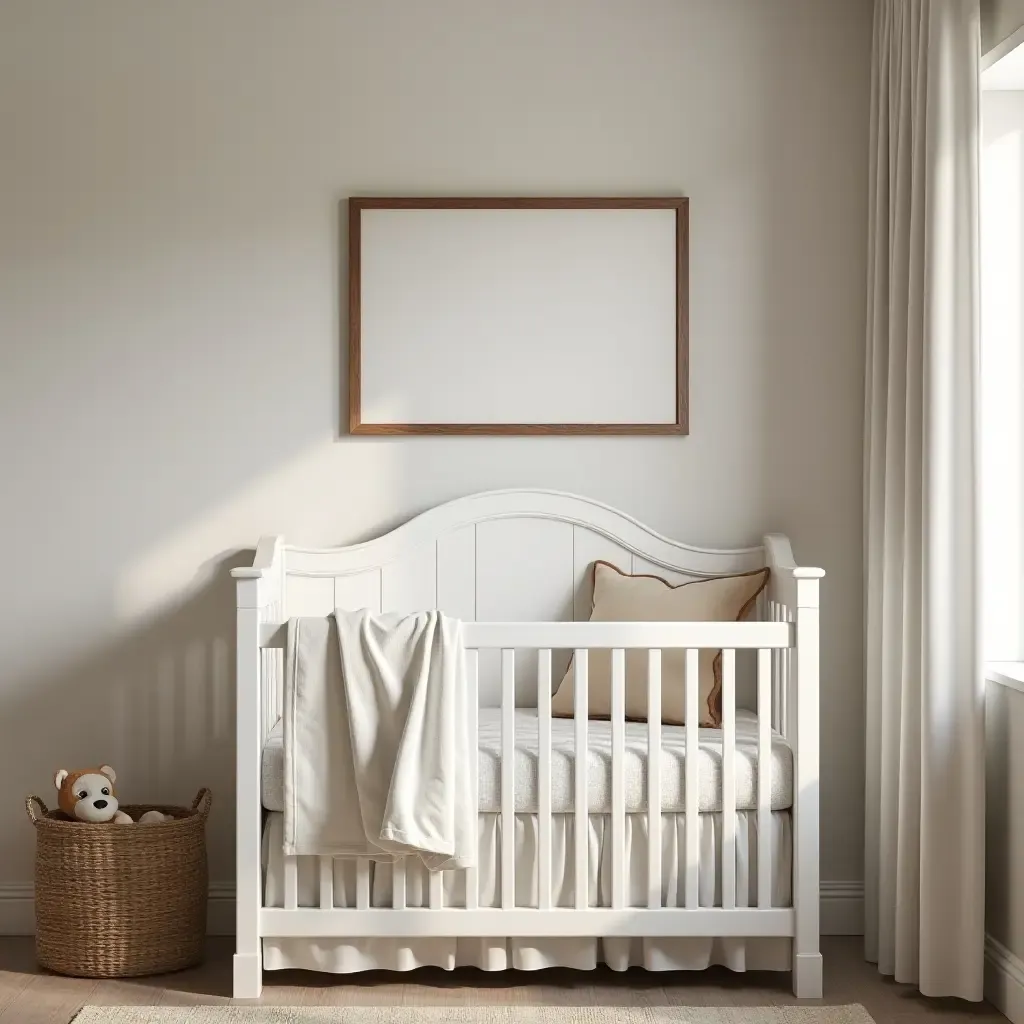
(28, 996)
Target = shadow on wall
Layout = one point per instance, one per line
(811, 321)
(158, 704)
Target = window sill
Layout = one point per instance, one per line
(1006, 673)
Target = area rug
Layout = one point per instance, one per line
(851, 1014)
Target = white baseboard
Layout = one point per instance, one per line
(842, 910)
(17, 914)
(1004, 980)
(220, 909)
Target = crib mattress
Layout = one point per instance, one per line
(599, 766)
(356, 954)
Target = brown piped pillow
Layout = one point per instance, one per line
(620, 597)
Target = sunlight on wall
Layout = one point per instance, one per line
(174, 703)
(321, 497)
(1002, 392)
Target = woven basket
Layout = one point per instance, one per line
(116, 901)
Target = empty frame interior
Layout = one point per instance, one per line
(518, 316)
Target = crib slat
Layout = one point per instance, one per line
(508, 825)
(398, 897)
(326, 883)
(728, 779)
(776, 681)
(764, 792)
(473, 710)
(618, 784)
(436, 890)
(544, 777)
(362, 884)
(773, 614)
(783, 681)
(787, 657)
(291, 883)
(277, 680)
(654, 779)
(265, 692)
(581, 824)
(691, 799)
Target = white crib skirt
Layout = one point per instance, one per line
(530, 954)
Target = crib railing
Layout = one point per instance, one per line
(788, 698)
(766, 638)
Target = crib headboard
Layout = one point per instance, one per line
(513, 555)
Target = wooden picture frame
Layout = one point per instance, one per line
(672, 346)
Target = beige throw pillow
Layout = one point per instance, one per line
(619, 597)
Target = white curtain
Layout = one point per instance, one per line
(925, 800)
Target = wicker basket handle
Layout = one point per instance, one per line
(202, 802)
(35, 816)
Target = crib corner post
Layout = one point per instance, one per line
(807, 962)
(247, 964)
(254, 590)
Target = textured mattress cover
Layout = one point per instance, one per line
(599, 765)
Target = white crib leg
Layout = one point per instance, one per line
(248, 975)
(807, 975)
(807, 966)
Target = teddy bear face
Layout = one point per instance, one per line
(89, 795)
(94, 798)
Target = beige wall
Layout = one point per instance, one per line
(170, 320)
(999, 20)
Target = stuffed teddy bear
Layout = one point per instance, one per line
(88, 795)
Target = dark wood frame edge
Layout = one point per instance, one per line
(354, 318)
(681, 204)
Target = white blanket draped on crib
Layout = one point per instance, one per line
(376, 748)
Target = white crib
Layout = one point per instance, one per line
(514, 565)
